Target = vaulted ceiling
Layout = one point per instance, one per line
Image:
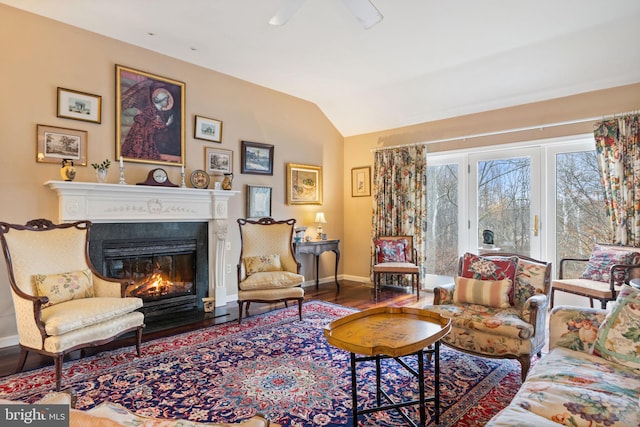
(426, 60)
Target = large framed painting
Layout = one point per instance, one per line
(150, 117)
(304, 184)
(256, 158)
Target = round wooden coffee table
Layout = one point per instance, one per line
(392, 332)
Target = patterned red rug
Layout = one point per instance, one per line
(272, 364)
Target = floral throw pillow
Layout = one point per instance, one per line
(392, 250)
(262, 263)
(601, 260)
(494, 268)
(618, 338)
(64, 286)
(492, 293)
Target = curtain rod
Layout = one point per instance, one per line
(506, 131)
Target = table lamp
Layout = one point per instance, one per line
(320, 219)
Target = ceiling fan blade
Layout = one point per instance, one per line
(365, 11)
(285, 12)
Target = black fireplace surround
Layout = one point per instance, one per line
(132, 250)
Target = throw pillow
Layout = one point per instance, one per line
(490, 268)
(258, 264)
(601, 260)
(618, 337)
(492, 293)
(529, 281)
(64, 286)
(392, 250)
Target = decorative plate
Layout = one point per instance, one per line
(200, 179)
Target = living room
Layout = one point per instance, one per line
(44, 55)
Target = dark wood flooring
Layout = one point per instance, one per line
(351, 294)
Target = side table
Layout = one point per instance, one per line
(317, 247)
(392, 332)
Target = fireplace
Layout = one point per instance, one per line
(167, 262)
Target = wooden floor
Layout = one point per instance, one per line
(351, 294)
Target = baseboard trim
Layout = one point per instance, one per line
(9, 341)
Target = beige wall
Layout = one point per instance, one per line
(358, 149)
(45, 54)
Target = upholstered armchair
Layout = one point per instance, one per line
(498, 306)
(395, 256)
(61, 303)
(268, 270)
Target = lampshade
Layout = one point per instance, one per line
(320, 219)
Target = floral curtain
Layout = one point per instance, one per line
(400, 196)
(618, 151)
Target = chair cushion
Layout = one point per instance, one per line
(63, 287)
(618, 338)
(257, 264)
(601, 260)
(503, 322)
(395, 267)
(75, 314)
(493, 293)
(529, 281)
(392, 250)
(583, 286)
(271, 280)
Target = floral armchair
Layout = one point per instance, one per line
(61, 303)
(498, 306)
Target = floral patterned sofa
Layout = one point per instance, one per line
(109, 414)
(591, 376)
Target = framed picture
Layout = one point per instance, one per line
(304, 184)
(257, 158)
(79, 105)
(149, 118)
(55, 144)
(208, 129)
(258, 201)
(361, 181)
(218, 161)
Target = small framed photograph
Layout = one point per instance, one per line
(208, 129)
(361, 181)
(257, 158)
(304, 184)
(218, 161)
(55, 144)
(258, 201)
(76, 105)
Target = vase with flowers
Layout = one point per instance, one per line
(101, 170)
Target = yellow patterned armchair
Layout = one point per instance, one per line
(61, 303)
(268, 270)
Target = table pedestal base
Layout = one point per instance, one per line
(391, 404)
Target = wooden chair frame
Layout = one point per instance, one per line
(409, 268)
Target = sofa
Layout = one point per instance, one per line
(497, 306)
(108, 414)
(591, 375)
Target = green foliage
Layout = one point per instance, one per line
(102, 166)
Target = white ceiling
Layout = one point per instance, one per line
(427, 59)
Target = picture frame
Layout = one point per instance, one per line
(54, 144)
(256, 158)
(258, 201)
(361, 181)
(150, 118)
(304, 184)
(218, 161)
(207, 129)
(76, 105)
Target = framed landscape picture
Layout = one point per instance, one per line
(208, 129)
(53, 144)
(218, 161)
(256, 158)
(150, 113)
(304, 184)
(258, 201)
(79, 105)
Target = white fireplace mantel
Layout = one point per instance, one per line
(117, 203)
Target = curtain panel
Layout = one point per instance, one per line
(618, 152)
(400, 196)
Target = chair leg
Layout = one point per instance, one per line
(57, 362)
(23, 358)
(240, 304)
(525, 361)
(286, 304)
(553, 294)
(418, 287)
(139, 340)
(603, 304)
(300, 308)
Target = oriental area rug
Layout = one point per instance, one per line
(273, 364)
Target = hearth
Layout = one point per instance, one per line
(167, 262)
